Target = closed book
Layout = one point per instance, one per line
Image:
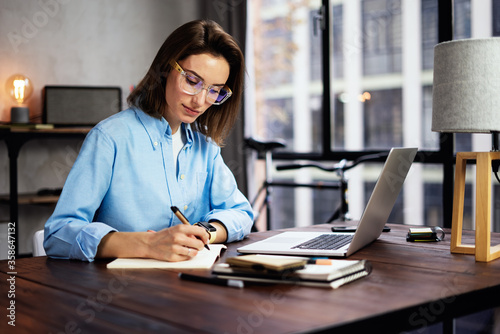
(337, 269)
(267, 262)
(334, 275)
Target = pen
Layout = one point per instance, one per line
(233, 283)
(182, 218)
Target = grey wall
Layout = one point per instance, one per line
(72, 42)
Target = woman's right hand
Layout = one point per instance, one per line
(176, 243)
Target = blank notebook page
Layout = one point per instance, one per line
(204, 260)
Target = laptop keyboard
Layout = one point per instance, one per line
(326, 241)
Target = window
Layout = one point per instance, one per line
(369, 108)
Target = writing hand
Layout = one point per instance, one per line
(176, 243)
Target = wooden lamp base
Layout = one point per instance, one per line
(482, 249)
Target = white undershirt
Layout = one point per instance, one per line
(178, 141)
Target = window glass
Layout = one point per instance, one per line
(433, 192)
(383, 119)
(430, 138)
(429, 32)
(381, 21)
(338, 41)
(288, 73)
(461, 17)
(496, 18)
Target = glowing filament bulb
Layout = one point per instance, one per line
(19, 86)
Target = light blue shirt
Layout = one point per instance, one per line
(125, 179)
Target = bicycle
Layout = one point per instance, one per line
(266, 148)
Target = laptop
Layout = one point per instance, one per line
(369, 228)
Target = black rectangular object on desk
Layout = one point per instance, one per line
(80, 105)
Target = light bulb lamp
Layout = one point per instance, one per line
(19, 88)
(466, 99)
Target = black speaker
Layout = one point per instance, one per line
(79, 105)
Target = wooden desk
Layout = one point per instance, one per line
(15, 138)
(412, 285)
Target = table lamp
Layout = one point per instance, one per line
(19, 89)
(466, 98)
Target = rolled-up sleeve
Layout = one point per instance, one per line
(69, 232)
(229, 205)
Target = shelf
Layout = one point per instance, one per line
(15, 137)
(41, 129)
(31, 199)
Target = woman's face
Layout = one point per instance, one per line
(182, 107)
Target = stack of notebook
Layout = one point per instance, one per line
(292, 270)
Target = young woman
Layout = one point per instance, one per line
(163, 151)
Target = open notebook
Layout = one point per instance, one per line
(204, 260)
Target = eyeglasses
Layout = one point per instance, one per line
(192, 85)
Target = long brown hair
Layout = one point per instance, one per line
(193, 38)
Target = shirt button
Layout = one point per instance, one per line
(185, 207)
(155, 143)
(183, 176)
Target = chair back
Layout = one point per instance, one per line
(38, 249)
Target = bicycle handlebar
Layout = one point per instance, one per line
(298, 166)
(342, 165)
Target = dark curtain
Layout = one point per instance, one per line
(232, 16)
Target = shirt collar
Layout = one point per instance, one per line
(156, 128)
(189, 133)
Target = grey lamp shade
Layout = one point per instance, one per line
(466, 88)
